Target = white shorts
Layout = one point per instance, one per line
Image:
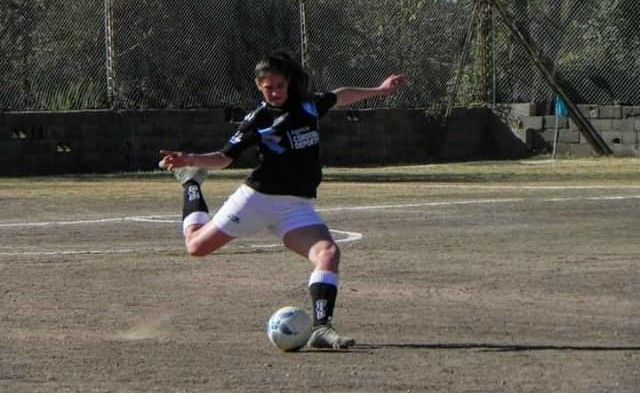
(247, 211)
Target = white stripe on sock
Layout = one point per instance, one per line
(325, 277)
(195, 218)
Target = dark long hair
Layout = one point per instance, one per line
(283, 63)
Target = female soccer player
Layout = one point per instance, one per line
(279, 193)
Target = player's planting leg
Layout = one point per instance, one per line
(323, 287)
(315, 242)
(326, 336)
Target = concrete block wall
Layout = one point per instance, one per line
(41, 143)
(618, 125)
(103, 141)
(377, 137)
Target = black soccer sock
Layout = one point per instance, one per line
(323, 288)
(193, 199)
(323, 297)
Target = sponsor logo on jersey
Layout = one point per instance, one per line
(304, 137)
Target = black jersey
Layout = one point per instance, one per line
(288, 147)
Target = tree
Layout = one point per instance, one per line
(18, 33)
(360, 41)
(52, 54)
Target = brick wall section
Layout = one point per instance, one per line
(618, 125)
(112, 141)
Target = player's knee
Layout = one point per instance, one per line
(328, 257)
(199, 244)
(196, 249)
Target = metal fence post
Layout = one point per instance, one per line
(108, 37)
(304, 53)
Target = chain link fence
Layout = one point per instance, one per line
(362, 43)
(593, 45)
(88, 54)
(51, 55)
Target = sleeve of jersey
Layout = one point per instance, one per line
(324, 102)
(243, 138)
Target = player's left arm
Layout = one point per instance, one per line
(350, 95)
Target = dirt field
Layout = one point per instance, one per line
(478, 277)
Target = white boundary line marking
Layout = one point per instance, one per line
(162, 219)
(50, 223)
(481, 202)
(170, 219)
(424, 204)
(349, 237)
(78, 252)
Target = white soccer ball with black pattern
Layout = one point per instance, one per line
(289, 328)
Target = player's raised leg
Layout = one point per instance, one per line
(201, 236)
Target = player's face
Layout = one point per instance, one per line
(274, 88)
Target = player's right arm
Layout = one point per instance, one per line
(245, 136)
(178, 159)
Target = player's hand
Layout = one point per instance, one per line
(174, 159)
(392, 83)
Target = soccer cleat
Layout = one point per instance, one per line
(325, 336)
(186, 173)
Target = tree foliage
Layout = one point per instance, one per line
(593, 45)
(200, 53)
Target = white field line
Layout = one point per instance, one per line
(538, 187)
(347, 237)
(168, 219)
(50, 223)
(424, 204)
(479, 202)
(68, 252)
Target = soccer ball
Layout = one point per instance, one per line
(289, 328)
